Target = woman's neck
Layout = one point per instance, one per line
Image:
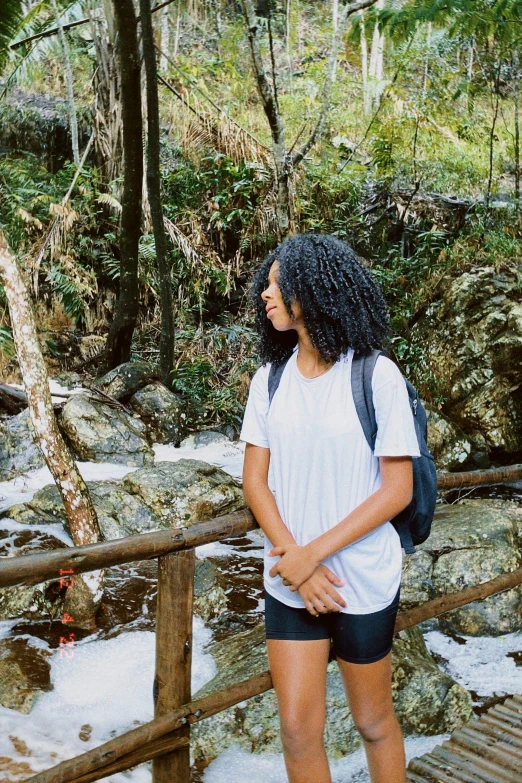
(309, 360)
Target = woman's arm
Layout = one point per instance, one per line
(259, 497)
(318, 594)
(297, 563)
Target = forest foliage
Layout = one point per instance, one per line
(417, 165)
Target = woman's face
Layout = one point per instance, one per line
(275, 306)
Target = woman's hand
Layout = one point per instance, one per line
(319, 595)
(296, 565)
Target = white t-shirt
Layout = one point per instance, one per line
(321, 468)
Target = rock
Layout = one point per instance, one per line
(471, 344)
(209, 597)
(183, 492)
(426, 700)
(161, 410)
(18, 451)
(204, 438)
(69, 379)
(35, 602)
(100, 433)
(471, 542)
(119, 513)
(125, 380)
(446, 441)
(25, 673)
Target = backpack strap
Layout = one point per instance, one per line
(274, 376)
(362, 371)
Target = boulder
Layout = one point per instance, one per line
(209, 597)
(125, 380)
(446, 441)
(100, 433)
(119, 513)
(25, 673)
(199, 440)
(18, 451)
(162, 412)
(183, 492)
(472, 541)
(35, 602)
(470, 340)
(426, 700)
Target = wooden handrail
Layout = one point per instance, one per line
(98, 759)
(32, 569)
(476, 478)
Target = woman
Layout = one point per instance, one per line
(332, 558)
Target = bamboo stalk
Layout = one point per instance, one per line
(33, 569)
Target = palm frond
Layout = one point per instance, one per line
(11, 18)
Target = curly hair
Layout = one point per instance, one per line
(342, 304)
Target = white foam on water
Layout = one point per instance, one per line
(106, 684)
(237, 766)
(22, 488)
(481, 664)
(225, 454)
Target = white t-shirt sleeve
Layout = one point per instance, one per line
(396, 435)
(256, 411)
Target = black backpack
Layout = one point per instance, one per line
(413, 523)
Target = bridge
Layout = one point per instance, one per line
(487, 750)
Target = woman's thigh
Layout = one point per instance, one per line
(369, 692)
(298, 669)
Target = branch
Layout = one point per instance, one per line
(266, 92)
(348, 10)
(69, 25)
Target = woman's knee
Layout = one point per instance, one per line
(376, 727)
(301, 735)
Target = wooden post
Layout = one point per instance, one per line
(174, 656)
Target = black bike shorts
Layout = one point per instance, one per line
(356, 638)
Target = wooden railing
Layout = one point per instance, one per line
(166, 738)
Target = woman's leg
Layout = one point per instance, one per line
(298, 671)
(368, 687)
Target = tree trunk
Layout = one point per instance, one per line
(516, 91)
(154, 192)
(85, 592)
(376, 69)
(122, 328)
(284, 162)
(275, 121)
(164, 36)
(367, 102)
(69, 81)
(178, 26)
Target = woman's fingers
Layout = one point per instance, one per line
(333, 578)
